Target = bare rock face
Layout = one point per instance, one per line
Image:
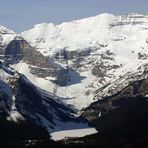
(97, 71)
(142, 56)
(143, 90)
(20, 50)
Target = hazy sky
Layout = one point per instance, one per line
(20, 15)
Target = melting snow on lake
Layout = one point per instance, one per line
(72, 133)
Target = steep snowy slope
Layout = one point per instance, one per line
(103, 29)
(6, 36)
(20, 100)
(102, 54)
(75, 35)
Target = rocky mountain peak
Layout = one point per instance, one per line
(17, 49)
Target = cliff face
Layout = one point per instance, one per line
(20, 51)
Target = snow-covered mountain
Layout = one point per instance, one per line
(90, 32)
(6, 36)
(88, 58)
(50, 74)
(75, 35)
(102, 53)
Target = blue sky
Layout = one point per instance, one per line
(20, 15)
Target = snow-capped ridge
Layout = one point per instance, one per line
(4, 30)
(6, 35)
(83, 33)
(78, 34)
